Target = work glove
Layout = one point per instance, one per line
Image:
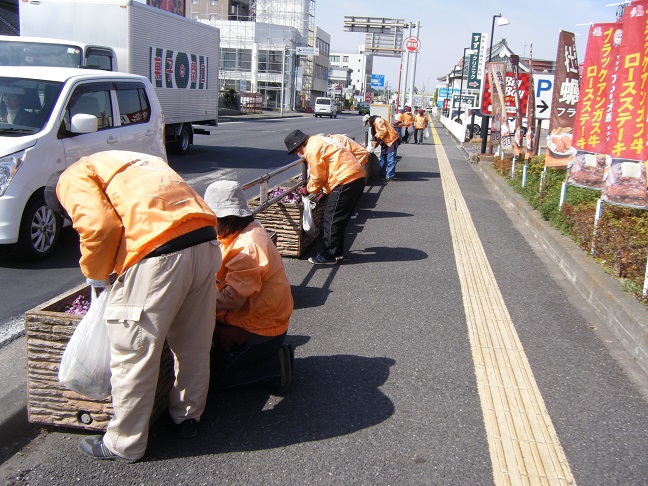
(98, 284)
(303, 191)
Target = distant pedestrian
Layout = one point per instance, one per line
(420, 124)
(408, 119)
(334, 170)
(383, 134)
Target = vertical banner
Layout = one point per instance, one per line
(560, 152)
(497, 75)
(629, 109)
(476, 61)
(530, 114)
(593, 115)
(517, 139)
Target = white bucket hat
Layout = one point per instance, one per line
(226, 198)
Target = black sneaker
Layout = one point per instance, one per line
(322, 260)
(187, 429)
(94, 447)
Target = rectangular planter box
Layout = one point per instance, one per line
(286, 221)
(48, 330)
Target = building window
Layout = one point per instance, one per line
(194, 16)
(195, 2)
(213, 17)
(335, 58)
(345, 59)
(213, 2)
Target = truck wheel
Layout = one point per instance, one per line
(40, 230)
(181, 147)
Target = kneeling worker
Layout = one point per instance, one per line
(254, 302)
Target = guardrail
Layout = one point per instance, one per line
(262, 181)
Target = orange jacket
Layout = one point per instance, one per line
(385, 132)
(124, 205)
(252, 266)
(407, 119)
(358, 151)
(330, 164)
(420, 122)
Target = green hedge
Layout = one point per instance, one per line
(621, 239)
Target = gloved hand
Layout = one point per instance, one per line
(303, 191)
(98, 284)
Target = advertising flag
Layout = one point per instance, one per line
(530, 115)
(517, 139)
(560, 151)
(499, 130)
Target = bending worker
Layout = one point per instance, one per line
(383, 134)
(139, 219)
(334, 170)
(254, 299)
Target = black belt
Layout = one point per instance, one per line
(201, 235)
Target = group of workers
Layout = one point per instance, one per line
(199, 273)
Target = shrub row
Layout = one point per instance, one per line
(619, 243)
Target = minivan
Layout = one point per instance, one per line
(50, 117)
(325, 107)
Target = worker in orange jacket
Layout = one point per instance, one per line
(383, 134)
(334, 170)
(254, 299)
(420, 124)
(408, 120)
(139, 219)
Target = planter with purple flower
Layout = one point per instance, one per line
(48, 329)
(285, 218)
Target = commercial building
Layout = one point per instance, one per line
(259, 48)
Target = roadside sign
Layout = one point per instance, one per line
(543, 94)
(470, 100)
(509, 98)
(476, 61)
(412, 44)
(377, 80)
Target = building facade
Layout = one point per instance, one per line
(361, 66)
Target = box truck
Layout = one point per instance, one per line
(180, 56)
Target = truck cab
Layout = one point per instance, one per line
(41, 51)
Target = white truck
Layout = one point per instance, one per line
(178, 55)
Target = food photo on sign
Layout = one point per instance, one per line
(625, 183)
(588, 170)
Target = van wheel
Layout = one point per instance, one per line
(40, 230)
(181, 147)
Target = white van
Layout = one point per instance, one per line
(49, 118)
(325, 107)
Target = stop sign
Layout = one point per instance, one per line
(412, 44)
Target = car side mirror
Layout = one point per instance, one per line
(83, 123)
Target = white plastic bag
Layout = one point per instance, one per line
(85, 366)
(426, 133)
(307, 219)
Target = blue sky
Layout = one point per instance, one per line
(446, 27)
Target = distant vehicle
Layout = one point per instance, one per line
(364, 107)
(325, 107)
(64, 114)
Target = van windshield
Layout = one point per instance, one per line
(322, 101)
(19, 53)
(26, 105)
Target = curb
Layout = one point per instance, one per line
(623, 315)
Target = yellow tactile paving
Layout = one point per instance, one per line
(524, 446)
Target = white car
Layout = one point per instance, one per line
(64, 115)
(325, 107)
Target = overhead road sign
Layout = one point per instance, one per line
(384, 37)
(375, 25)
(377, 80)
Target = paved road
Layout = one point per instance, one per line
(444, 350)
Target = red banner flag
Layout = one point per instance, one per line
(628, 133)
(497, 77)
(593, 116)
(563, 105)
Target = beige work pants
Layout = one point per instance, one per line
(170, 297)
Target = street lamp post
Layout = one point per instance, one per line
(484, 127)
(467, 50)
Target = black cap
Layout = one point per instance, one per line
(50, 195)
(294, 140)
